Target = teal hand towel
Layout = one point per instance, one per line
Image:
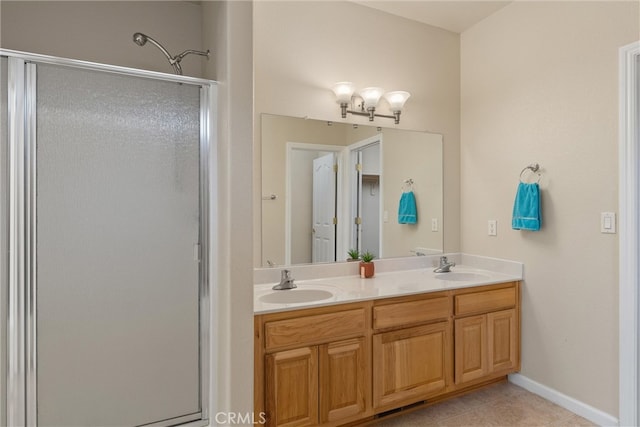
(526, 208)
(407, 211)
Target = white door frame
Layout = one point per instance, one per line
(629, 205)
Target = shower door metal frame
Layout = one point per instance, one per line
(21, 337)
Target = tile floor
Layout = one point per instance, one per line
(502, 404)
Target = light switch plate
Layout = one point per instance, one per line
(608, 222)
(434, 224)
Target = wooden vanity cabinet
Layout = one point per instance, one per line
(411, 363)
(486, 330)
(345, 363)
(316, 366)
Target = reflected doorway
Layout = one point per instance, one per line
(366, 191)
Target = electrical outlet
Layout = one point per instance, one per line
(434, 224)
(492, 227)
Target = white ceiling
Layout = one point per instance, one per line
(452, 15)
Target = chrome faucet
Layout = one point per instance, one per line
(445, 265)
(286, 282)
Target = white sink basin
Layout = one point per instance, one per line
(295, 296)
(461, 276)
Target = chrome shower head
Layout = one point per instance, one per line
(142, 39)
(139, 39)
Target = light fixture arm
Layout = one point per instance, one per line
(368, 113)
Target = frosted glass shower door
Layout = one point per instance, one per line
(117, 228)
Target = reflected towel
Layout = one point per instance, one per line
(526, 208)
(407, 211)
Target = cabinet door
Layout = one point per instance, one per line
(410, 364)
(503, 340)
(292, 387)
(343, 380)
(471, 353)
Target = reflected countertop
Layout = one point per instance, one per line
(347, 289)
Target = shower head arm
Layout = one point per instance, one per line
(180, 56)
(176, 60)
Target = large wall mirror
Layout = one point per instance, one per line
(330, 187)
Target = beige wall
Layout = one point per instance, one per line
(424, 167)
(228, 26)
(303, 48)
(102, 31)
(539, 84)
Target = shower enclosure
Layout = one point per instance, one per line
(104, 298)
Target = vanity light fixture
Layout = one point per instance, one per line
(370, 96)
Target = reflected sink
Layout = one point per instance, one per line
(461, 277)
(295, 295)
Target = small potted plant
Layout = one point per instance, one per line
(367, 265)
(354, 255)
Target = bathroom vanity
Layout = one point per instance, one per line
(403, 338)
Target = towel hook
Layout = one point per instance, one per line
(408, 184)
(534, 167)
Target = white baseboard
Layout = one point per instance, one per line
(580, 408)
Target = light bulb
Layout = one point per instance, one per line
(396, 99)
(371, 96)
(344, 92)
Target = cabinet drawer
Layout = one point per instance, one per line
(480, 302)
(315, 329)
(410, 313)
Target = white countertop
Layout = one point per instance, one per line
(348, 289)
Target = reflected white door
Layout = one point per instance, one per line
(324, 209)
